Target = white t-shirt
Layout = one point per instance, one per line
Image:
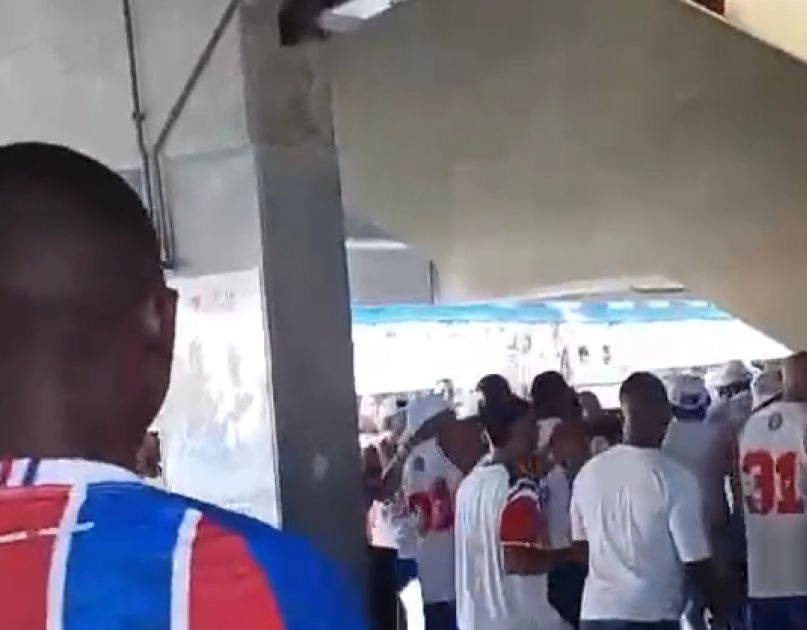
(773, 466)
(381, 525)
(705, 450)
(430, 483)
(496, 508)
(641, 513)
(556, 484)
(391, 527)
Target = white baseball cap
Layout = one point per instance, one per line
(688, 392)
(731, 373)
(766, 386)
(422, 409)
(387, 407)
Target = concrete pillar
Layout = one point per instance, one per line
(306, 287)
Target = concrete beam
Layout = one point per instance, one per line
(548, 142)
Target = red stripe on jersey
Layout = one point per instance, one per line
(222, 572)
(25, 552)
(522, 523)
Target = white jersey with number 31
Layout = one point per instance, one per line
(773, 468)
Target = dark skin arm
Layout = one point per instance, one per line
(524, 560)
(705, 577)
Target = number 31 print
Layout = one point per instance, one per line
(773, 488)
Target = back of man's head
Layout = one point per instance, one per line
(794, 377)
(86, 323)
(495, 389)
(590, 405)
(646, 408)
(551, 396)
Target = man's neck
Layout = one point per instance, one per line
(502, 456)
(643, 444)
(55, 441)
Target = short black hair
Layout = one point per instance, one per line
(550, 394)
(494, 387)
(645, 387)
(498, 419)
(547, 385)
(46, 188)
(77, 248)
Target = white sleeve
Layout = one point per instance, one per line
(407, 478)
(559, 503)
(575, 515)
(686, 517)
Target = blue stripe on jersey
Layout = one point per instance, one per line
(311, 593)
(119, 570)
(31, 469)
(523, 483)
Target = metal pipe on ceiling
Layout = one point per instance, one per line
(161, 207)
(138, 115)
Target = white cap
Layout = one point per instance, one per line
(467, 405)
(688, 392)
(387, 408)
(731, 373)
(422, 409)
(766, 386)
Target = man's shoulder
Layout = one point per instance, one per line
(258, 535)
(675, 474)
(788, 409)
(483, 480)
(599, 463)
(773, 415)
(147, 504)
(228, 547)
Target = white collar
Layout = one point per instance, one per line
(65, 472)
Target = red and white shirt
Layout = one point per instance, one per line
(773, 469)
(430, 482)
(497, 508)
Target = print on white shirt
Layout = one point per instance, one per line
(430, 483)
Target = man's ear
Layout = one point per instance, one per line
(158, 318)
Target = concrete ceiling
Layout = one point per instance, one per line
(572, 141)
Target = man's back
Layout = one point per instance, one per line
(85, 545)
(773, 466)
(639, 511)
(705, 450)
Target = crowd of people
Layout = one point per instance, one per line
(536, 514)
(511, 513)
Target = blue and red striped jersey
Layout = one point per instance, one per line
(87, 546)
